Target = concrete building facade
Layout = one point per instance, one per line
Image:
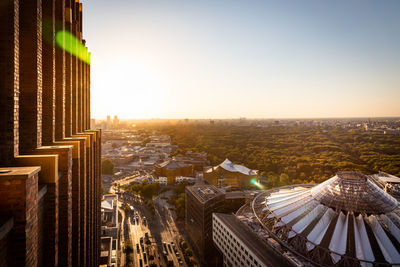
(49, 156)
(240, 246)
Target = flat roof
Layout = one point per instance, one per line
(388, 178)
(252, 241)
(204, 192)
(235, 194)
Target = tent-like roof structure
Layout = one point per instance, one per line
(347, 220)
(232, 167)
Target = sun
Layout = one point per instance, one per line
(130, 89)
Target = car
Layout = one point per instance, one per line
(141, 239)
(144, 258)
(140, 263)
(137, 248)
(146, 235)
(169, 248)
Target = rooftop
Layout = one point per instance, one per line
(323, 218)
(204, 193)
(352, 191)
(232, 167)
(251, 240)
(172, 164)
(388, 178)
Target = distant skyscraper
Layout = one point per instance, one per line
(116, 121)
(50, 160)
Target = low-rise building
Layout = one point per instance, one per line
(180, 179)
(162, 180)
(172, 169)
(230, 174)
(109, 230)
(108, 252)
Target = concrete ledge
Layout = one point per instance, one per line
(88, 136)
(63, 152)
(72, 142)
(18, 172)
(48, 166)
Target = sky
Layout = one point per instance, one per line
(237, 58)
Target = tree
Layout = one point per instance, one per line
(128, 250)
(188, 252)
(126, 208)
(184, 245)
(148, 242)
(191, 263)
(107, 167)
(284, 179)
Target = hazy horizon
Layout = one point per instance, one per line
(252, 118)
(230, 59)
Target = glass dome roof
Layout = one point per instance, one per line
(347, 220)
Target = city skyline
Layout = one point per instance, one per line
(164, 59)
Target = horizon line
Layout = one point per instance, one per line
(254, 118)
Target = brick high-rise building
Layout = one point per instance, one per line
(49, 157)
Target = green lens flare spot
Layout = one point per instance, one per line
(68, 42)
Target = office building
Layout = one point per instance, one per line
(201, 202)
(241, 246)
(49, 156)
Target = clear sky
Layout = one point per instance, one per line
(244, 58)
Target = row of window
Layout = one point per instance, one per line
(236, 253)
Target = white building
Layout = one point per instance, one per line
(109, 229)
(180, 179)
(162, 180)
(240, 246)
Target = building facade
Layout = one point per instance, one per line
(49, 157)
(172, 169)
(201, 202)
(240, 246)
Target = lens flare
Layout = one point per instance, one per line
(67, 41)
(256, 183)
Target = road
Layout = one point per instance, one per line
(160, 228)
